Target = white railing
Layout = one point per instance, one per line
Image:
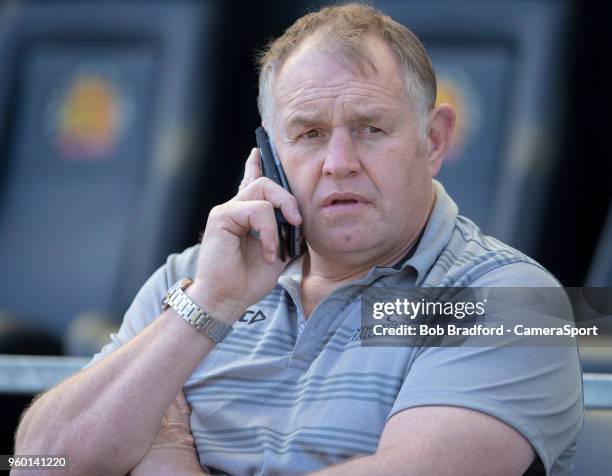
(28, 374)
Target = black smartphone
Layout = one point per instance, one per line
(290, 236)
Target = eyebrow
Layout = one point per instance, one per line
(305, 119)
(369, 114)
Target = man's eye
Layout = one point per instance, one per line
(370, 130)
(312, 134)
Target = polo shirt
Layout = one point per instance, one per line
(288, 395)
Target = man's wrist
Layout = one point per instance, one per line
(225, 310)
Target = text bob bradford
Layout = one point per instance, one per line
(481, 330)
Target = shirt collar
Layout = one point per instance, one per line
(436, 235)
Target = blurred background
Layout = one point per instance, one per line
(123, 122)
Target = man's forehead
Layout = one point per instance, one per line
(371, 59)
(312, 75)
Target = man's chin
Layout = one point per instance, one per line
(347, 242)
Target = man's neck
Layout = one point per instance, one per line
(324, 268)
(322, 273)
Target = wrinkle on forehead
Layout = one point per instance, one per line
(308, 89)
(319, 79)
(347, 101)
(335, 110)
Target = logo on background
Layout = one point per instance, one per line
(457, 91)
(87, 115)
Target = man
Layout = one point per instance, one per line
(347, 96)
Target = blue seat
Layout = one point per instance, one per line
(596, 353)
(99, 111)
(600, 270)
(593, 452)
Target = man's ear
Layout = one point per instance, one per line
(440, 125)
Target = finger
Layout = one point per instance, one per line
(174, 414)
(264, 188)
(252, 169)
(240, 217)
(183, 407)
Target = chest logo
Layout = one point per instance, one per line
(251, 317)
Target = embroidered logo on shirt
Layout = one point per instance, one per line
(255, 317)
(362, 333)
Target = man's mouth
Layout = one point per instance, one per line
(339, 204)
(345, 201)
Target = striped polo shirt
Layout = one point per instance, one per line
(287, 395)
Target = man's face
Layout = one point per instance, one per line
(348, 142)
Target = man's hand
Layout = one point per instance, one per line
(238, 263)
(173, 451)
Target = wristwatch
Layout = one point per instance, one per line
(203, 321)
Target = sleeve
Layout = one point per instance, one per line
(535, 390)
(146, 306)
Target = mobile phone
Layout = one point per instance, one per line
(290, 236)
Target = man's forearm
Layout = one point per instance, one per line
(372, 465)
(105, 417)
(412, 462)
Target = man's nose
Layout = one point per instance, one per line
(340, 157)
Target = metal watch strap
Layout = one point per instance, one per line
(185, 307)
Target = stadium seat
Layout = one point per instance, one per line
(593, 452)
(600, 271)
(102, 111)
(596, 352)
